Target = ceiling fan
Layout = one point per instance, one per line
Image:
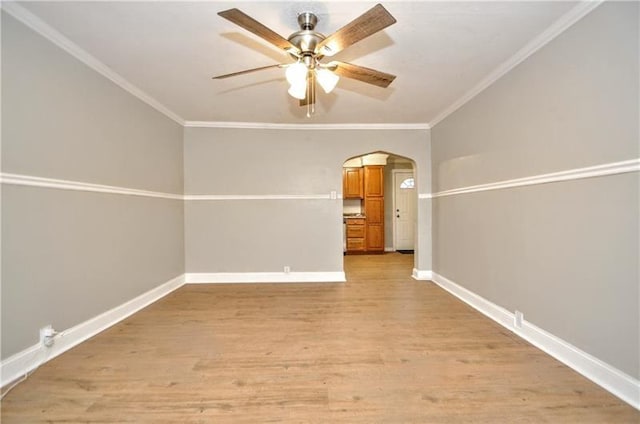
(308, 47)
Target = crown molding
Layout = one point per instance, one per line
(557, 28)
(45, 30)
(270, 126)
(48, 32)
(39, 26)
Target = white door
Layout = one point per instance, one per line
(404, 210)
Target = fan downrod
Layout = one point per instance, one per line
(307, 21)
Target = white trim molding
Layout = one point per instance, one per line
(264, 277)
(622, 167)
(31, 181)
(29, 359)
(558, 27)
(608, 377)
(614, 168)
(421, 274)
(27, 180)
(51, 34)
(261, 197)
(314, 127)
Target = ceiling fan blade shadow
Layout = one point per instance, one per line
(248, 71)
(254, 84)
(246, 40)
(377, 43)
(247, 22)
(375, 19)
(369, 91)
(360, 73)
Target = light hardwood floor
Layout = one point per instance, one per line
(381, 348)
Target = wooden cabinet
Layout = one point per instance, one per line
(356, 235)
(355, 230)
(374, 208)
(365, 235)
(374, 181)
(375, 238)
(352, 183)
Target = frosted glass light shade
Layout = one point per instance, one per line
(299, 91)
(296, 73)
(327, 79)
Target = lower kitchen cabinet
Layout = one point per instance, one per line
(375, 238)
(356, 235)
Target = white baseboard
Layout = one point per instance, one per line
(608, 377)
(265, 277)
(32, 357)
(25, 361)
(389, 249)
(421, 274)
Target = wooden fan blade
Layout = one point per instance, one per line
(310, 99)
(370, 76)
(247, 22)
(248, 71)
(372, 21)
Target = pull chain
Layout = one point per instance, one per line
(308, 97)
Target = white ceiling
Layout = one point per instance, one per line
(439, 51)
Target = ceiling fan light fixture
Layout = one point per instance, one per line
(307, 48)
(298, 91)
(296, 73)
(327, 79)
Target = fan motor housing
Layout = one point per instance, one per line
(306, 40)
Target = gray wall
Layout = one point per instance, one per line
(68, 256)
(265, 235)
(566, 253)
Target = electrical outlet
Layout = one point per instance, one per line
(47, 335)
(287, 269)
(333, 195)
(517, 319)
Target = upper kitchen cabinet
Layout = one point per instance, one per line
(352, 183)
(373, 181)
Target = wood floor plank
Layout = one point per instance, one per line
(382, 348)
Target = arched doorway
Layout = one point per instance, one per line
(379, 204)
